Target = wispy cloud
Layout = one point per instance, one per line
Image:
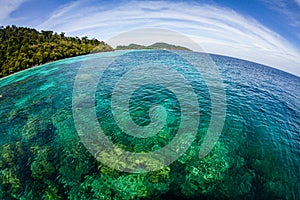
(7, 7)
(216, 29)
(287, 9)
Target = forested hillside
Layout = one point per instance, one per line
(22, 48)
(157, 45)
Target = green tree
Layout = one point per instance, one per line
(22, 47)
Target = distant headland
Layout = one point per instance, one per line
(157, 45)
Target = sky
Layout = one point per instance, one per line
(263, 31)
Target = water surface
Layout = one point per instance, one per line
(257, 155)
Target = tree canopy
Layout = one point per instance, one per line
(22, 48)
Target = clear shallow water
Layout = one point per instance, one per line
(257, 155)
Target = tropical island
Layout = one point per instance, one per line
(22, 48)
(157, 45)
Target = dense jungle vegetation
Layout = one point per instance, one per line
(22, 48)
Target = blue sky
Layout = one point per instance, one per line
(263, 31)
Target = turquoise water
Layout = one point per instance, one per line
(256, 157)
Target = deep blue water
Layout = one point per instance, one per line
(256, 157)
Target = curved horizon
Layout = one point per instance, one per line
(229, 29)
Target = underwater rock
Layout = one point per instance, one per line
(41, 168)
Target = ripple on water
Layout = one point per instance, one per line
(257, 155)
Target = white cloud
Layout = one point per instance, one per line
(216, 29)
(8, 6)
(287, 9)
